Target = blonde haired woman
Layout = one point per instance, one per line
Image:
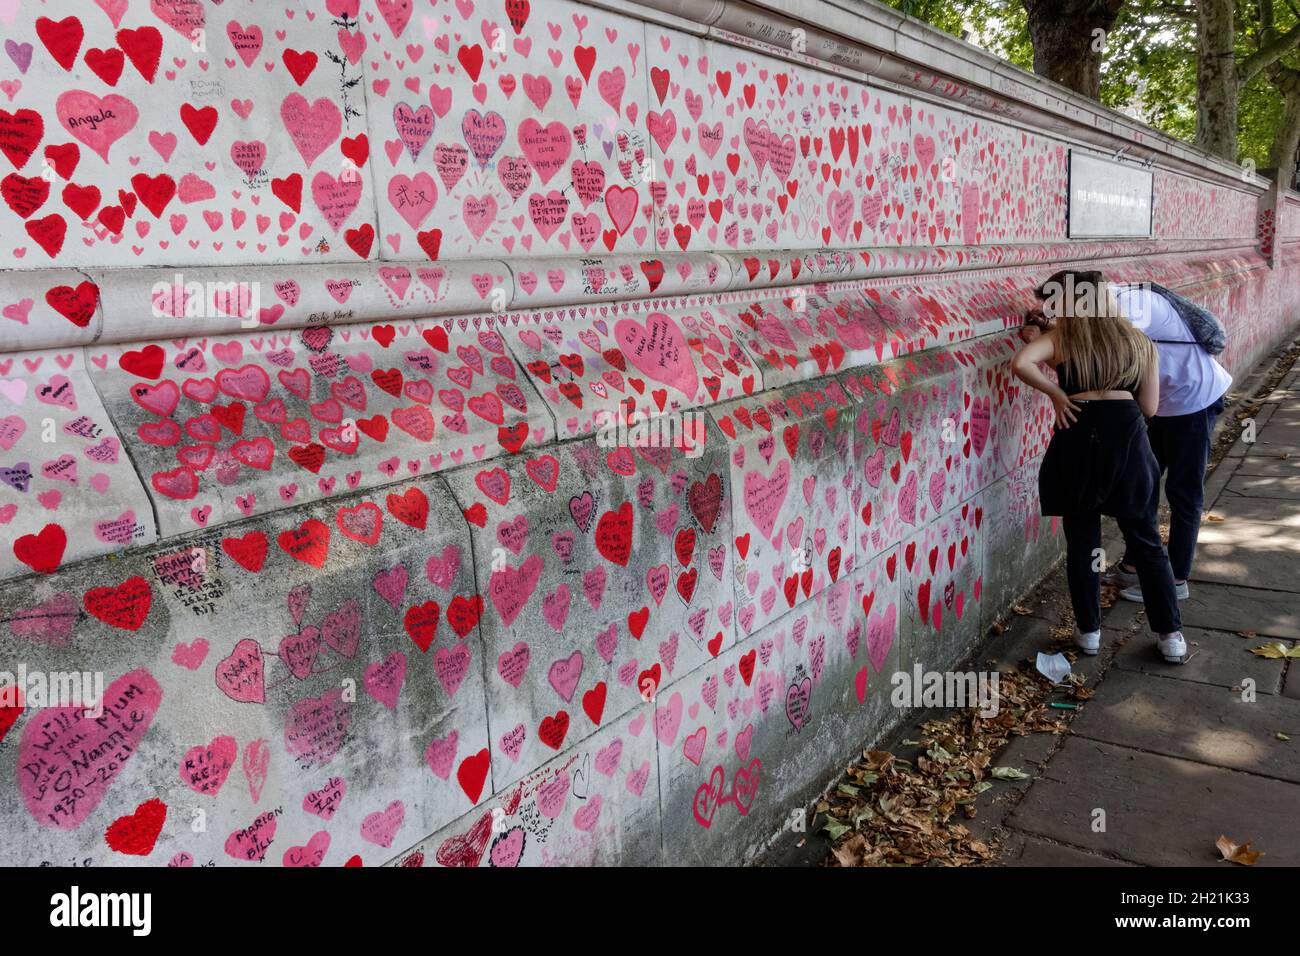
(1099, 461)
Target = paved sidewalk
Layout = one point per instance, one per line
(1174, 756)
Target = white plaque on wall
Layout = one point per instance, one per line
(1108, 198)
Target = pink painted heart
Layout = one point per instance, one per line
(383, 680)
(510, 588)
(204, 769)
(99, 122)
(658, 350)
(380, 828)
(64, 748)
(565, 673)
(764, 496)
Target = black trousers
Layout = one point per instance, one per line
(1181, 444)
(1084, 562)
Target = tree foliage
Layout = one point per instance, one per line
(1149, 59)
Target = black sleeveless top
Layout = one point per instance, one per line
(1071, 387)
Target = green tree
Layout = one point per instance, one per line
(1150, 68)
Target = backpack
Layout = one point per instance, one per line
(1208, 331)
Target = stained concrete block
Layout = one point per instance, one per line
(593, 366)
(228, 427)
(877, 466)
(747, 740)
(180, 175)
(532, 168)
(553, 281)
(229, 299)
(1278, 465)
(551, 197)
(48, 308)
(1029, 851)
(605, 572)
(289, 682)
(791, 481)
(808, 333)
(594, 805)
(1269, 487)
(1006, 423)
(68, 490)
(1022, 544)
(942, 569)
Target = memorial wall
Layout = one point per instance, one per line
(513, 432)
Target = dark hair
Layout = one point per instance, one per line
(1069, 277)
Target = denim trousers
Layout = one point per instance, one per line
(1083, 564)
(1181, 444)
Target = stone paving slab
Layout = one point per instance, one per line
(1023, 850)
(1232, 608)
(1236, 508)
(1262, 417)
(1221, 562)
(1195, 721)
(1029, 635)
(1024, 638)
(1283, 400)
(1279, 393)
(1160, 811)
(1269, 465)
(1275, 438)
(1029, 754)
(1251, 553)
(1250, 486)
(1220, 658)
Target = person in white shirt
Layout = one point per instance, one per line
(1192, 386)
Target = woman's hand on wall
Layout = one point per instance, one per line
(1036, 324)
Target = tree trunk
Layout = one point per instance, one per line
(1282, 155)
(1069, 39)
(1216, 79)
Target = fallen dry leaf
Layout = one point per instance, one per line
(905, 806)
(851, 851)
(1213, 517)
(1237, 853)
(1009, 773)
(1276, 651)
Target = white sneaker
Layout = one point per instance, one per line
(1134, 593)
(1089, 643)
(1172, 647)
